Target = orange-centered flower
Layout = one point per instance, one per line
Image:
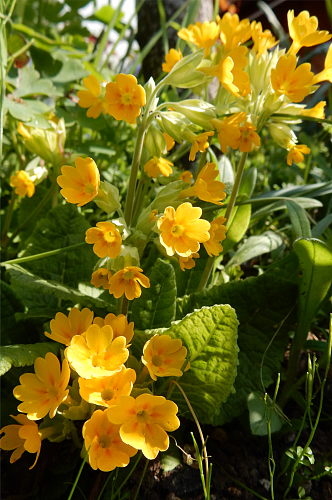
(296, 152)
(188, 262)
(21, 438)
(263, 40)
(92, 98)
(233, 32)
(171, 59)
(106, 239)
(199, 143)
(164, 356)
(206, 188)
(119, 324)
(182, 231)
(202, 35)
(101, 277)
(125, 98)
(43, 392)
(303, 31)
(144, 421)
(128, 281)
(228, 130)
(64, 328)
(293, 82)
(104, 444)
(22, 183)
(217, 234)
(157, 166)
(80, 184)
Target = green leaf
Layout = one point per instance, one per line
(259, 411)
(10, 305)
(32, 84)
(238, 225)
(248, 181)
(318, 230)
(187, 281)
(299, 220)
(105, 14)
(18, 110)
(255, 246)
(157, 304)
(226, 173)
(15, 43)
(281, 205)
(171, 458)
(24, 354)
(72, 70)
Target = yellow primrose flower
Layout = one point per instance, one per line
(119, 325)
(92, 98)
(248, 136)
(153, 215)
(97, 355)
(303, 31)
(202, 35)
(101, 277)
(186, 176)
(105, 391)
(205, 187)
(171, 59)
(182, 231)
(23, 184)
(188, 262)
(326, 74)
(164, 356)
(316, 112)
(199, 143)
(296, 152)
(21, 438)
(144, 421)
(125, 98)
(128, 281)
(80, 184)
(228, 130)
(217, 233)
(263, 40)
(233, 32)
(64, 328)
(43, 392)
(106, 239)
(293, 82)
(104, 444)
(170, 142)
(157, 166)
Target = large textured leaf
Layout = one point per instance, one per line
(261, 304)
(156, 306)
(24, 354)
(255, 246)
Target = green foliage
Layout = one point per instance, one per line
(24, 354)
(261, 410)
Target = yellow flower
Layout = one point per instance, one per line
(316, 112)
(101, 277)
(263, 40)
(188, 262)
(125, 98)
(217, 234)
(248, 136)
(106, 238)
(21, 438)
(23, 184)
(144, 421)
(92, 98)
(199, 143)
(202, 35)
(42, 393)
(186, 176)
(170, 142)
(105, 391)
(228, 130)
(171, 59)
(153, 215)
(157, 166)
(303, 31)
(97, 355)
(293, 82)
(233, 32)
(296, 152)
(64, 329)
(326, 74)
(119, 325)
(128, 281)
(205, 187)
(80, 184)
(104, 444)
(182, 231)
(164, 356)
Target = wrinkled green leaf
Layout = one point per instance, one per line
(32, 84)
(255, 246)
(299, 220)
(24, 354)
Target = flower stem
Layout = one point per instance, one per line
(141, 480)
(127, 478)
(43, 255)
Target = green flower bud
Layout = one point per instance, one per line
(174, 124)
(108, 197)
(155, 141)
(129, 256)
(198, 112)
(168, 196)
(183, 73)
(282, 134)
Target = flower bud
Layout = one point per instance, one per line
(36, 172)
(155, 142)
(174, 124)
(183, 74)
(168, 196)
(108, 197)
(128, 257)
(198, 112)
(282, 134)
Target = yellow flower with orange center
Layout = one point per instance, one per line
(291, 81)
(204, 36)
(22, 183)
(206, 188)
(106, 239)
(229, 131)
(233, 32)
(119, 324)
(303, 31)
(186, 176)
(21, 438)
(296, 152)
(171, 59)
(170, 142)
(144, 422)
(92, 98)
(101, 277)
(105, 447)
(182, 231)
(43, 392)
(105, 391)
(64, 328)
(98, 354)
(315, 112)
(248, 137)
(217, 234)
(125, 98)
(157, 166)
(188, 262)
(326, 74)
(80, 184)
(164, 356)
(263, 40)
(128, 281)
(199, 143)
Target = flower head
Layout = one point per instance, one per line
(171, 59)
(188, 262)
(92, 98)
(206, 188)
(80, 184)
(296, 152)
(164, 356)
(119, 324)
(22, 183)
(64, 328)
(316, 112)
(199, 143)
(326, 74)
(182, 231)
(217, 234)
(233, 32)
(248, 137)
(228, 130)
(128, 281)
(263, 40)
(106, 239)
(303, 31)
(186, 176)
(157, 166)
(293, 82)
(43, 392)
(125, 98)
(101, 277)
(21, 438)
(104, 444)
(202, 35)
(97, 355)
(144, 421)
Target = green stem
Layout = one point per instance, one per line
(43, 255)
(8, 217)
(141, 480)
(104, 39)
(12, 58)
(78, 476)
(124, 306)
(2, 100)
(127, 477)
